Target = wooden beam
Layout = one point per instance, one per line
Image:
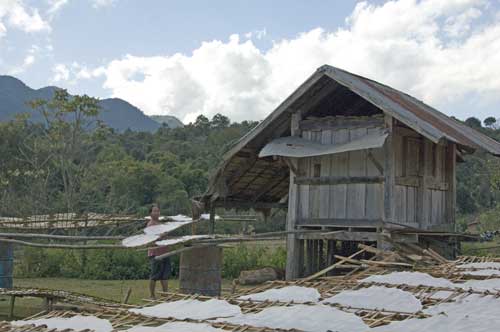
(338, 222)
(339, 122)
(294, 256)
(389, 171)
(335, 180)
(434, 184)
(451, 179)
(64, 246)
(336, 265)
(249, 205)
(58, 237)
(375, 162)
(342, 236)
(408, 181)
(271, 186)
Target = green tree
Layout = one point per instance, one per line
(473, 122)
(489, 121)
(69, 121)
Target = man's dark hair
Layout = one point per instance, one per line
(152, 207)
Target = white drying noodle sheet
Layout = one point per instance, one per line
(473, 313)
(139, 240)
(484, 273)
(179, 217)
(378, 298)
(483, 265)
(410, 278)
(193, 309)
(206, 216)
(76, 323)
(296, 294)
(182, 239)
(165, 227)
(311, 318)
(424, 279)
(176, 327)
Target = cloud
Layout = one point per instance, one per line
(15, 14)
(55, 6)
(102, 3)
(257, 34)
(434, 49)
(28, 61)
(61, 73)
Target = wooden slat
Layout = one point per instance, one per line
(356, 193)
(337, 180)
(338, 194)
(336, 123)
(324, 191)
(340, 222)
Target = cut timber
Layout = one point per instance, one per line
(254, 277)
(328, 269)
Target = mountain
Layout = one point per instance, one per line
(170, 120)
(116, 113)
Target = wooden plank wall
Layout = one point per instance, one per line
(341, 201)
(423, 184)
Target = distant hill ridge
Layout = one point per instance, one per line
(115, 112)
(170, 120)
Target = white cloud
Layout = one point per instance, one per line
(55, 6)
(26, 19)
(61, 73)
(428, 48)
(28, 61)
(16, 14)
(257, 34)
(102, 3)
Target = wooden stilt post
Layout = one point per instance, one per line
(389, 176)
(212, 219)
(11, 306)
(322, 257)
(294, 246)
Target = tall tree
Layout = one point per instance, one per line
(70, 122)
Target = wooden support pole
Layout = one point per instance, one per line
(315, 265)
(321, 255)
(212, 219)
(127, 295)
(389, 174)
(294, 247)
(450, 175)
(11, 306)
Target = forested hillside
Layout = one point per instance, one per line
(62, 166)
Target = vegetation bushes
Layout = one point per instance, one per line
(117, 264)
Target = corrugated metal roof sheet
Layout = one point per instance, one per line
(297, 147)
(414, 113)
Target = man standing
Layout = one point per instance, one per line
(160, 269)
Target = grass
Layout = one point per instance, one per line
(107, 289)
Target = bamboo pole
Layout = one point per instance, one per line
(64, 246)
(58, 237)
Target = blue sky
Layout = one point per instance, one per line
(241, 58)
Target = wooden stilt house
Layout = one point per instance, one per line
(352, 158)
